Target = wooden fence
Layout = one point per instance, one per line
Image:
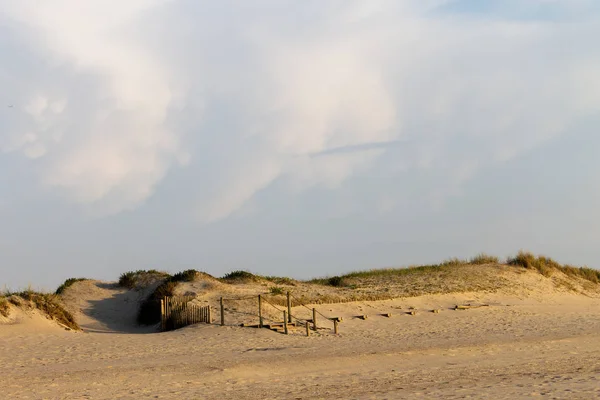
(177, 312)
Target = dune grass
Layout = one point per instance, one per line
(547, 266)
(544, 265)
(141, 277)
(342, 280)
(4, 307)
(482, 259)
(68, 283)
(240, 276)
(280, 280)
(48, 303)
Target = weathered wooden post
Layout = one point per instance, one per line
(289, 306)
(260, 318)
(162, 314)
(335, 326)
(307, 329)
(222, 313)
(315, 319)
(285, 323)
(209, 315)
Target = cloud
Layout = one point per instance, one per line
(250, 95)
(106, 145)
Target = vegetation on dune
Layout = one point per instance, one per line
(544, 265)
(47, 303)
(4, 307)
(69, 282)
(240, 276)
(280, 280)
(133, 279)
(149, 312)
(482, 258)
(342, 281)
(547, 266)
(276, 290)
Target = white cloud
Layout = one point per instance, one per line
(299, 80)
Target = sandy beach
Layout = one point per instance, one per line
(537, 343)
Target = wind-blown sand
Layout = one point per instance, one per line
(542, 341)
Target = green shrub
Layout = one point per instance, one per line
(128, 279)
(240, 276)
(69, 282)
(131, 279)
(336, 281)
(184, 276)
(276, 290)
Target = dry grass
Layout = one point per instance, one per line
(280, 280)
(4, 307)
(68, 283)
(482, 259)
(48, 303)
(547, 266)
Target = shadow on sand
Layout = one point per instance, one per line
(116, 312)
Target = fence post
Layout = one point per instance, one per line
(162, 314)
(289, 307)
(335, 326)
(307, 329)
(260, 318)
(285, 323)
(209, 315)
(222, 313)
(315, 319)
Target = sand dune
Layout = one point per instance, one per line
(535, 338)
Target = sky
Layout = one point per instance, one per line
(295, 138)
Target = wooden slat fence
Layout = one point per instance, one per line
(179, 311)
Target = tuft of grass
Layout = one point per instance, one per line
(184, 276)
(280, 280)
(482, 258)
(454, 262)
(128, 279)
(132, 279)
(546, 266)
(149, 312)
(543, 265)
(240, 276)
(4, 307)
(68, 283)
(276, 290)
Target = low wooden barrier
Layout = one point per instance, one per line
(179, 311)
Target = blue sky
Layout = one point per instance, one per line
(294, 138)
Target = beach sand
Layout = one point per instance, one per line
(542, 343)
